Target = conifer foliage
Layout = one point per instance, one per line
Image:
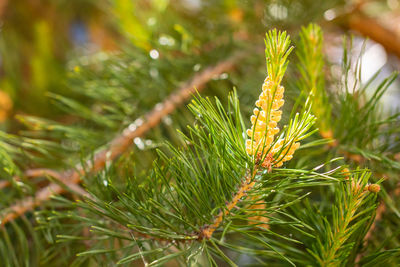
(288, 185)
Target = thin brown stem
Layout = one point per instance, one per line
(372, 29)
(33, 173)
(248, 183)
(122, 142)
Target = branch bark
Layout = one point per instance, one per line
(32, 173)
(372, 29)
(247, 184)
(120, 143)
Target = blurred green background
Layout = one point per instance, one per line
(40, 38)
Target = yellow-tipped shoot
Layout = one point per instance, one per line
(267, 150)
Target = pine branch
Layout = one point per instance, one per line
(367, 113)
(352, 201)
(207, 231)
(184, 190)
(190, 192)
(33, 173)
(3, 7)
(352, 101)
(121, 143)
(379, 214)
(266, 151)
(312, 82)
(341, 227)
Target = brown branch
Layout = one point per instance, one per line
(370, 28)
(122, 142)
(32, 174)
(3, 7)
(248, 183)
(4, 184)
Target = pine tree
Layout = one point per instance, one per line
(279, 165)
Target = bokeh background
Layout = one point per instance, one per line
(41, 40)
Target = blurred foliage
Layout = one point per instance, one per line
(39, 37)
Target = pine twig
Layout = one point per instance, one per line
(207, 231)
(346, 214)
(3, 7)
(122, 142)
(32, 173)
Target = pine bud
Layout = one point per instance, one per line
(374, 188)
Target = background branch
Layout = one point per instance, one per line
(372, 29)
(119, 144)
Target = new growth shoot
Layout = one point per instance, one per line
(267, 150)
